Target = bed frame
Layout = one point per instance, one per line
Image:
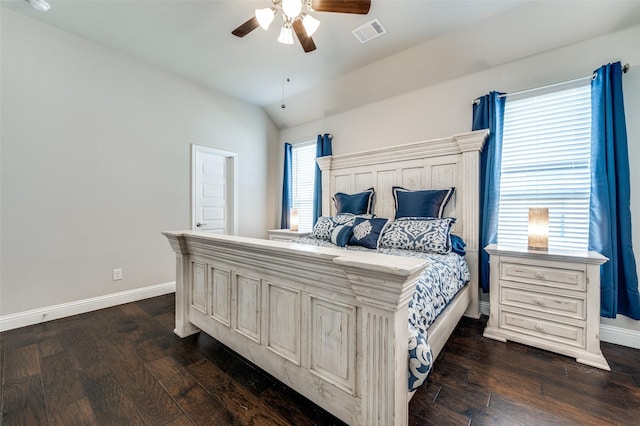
(332, 323)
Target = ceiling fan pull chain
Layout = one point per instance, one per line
(283, 104)
(285, 51)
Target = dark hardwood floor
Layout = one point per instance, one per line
(124, 366)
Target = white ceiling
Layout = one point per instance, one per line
(193, 39)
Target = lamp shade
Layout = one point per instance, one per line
(293, 219)
(40, 5)
(538, 228)
(286, 35)
(292, 8)
(310, 24)
(265, 17)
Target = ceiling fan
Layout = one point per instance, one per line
(295, 20)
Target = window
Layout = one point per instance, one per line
(546, 163)
(303, 176)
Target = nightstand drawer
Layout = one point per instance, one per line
(567, 334)
(572, 307)
(519, 271)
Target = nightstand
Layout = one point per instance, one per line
(550, 300)
(285, 234)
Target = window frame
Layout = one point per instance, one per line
(568, 230)
(304, 205)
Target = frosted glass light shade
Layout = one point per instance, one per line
(294, 219)
(39, 5)
(265, 17)
(286, 35)
(310, 24)
(292, 8)
(538, 228)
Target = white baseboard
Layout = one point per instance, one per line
(608, 333)
(620, 336)
(48, 313)
(484, 307)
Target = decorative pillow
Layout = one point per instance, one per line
(344, 219)
(325, 225)
(341, 234)
(427, 203)
(360, 203)
(367, 232)
(458, 245)
(419, 234)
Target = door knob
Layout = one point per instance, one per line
(200, 224)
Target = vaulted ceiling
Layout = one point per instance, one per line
(440, 38)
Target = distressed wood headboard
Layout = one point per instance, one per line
(432, 164)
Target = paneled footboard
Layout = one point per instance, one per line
(330, 323)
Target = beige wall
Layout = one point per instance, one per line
(95, 163)
(445, 108)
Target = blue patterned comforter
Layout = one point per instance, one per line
(437, 286)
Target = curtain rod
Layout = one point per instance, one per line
(625, 68)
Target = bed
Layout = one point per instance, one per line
(328, 322)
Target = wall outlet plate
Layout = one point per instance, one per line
(117, 274)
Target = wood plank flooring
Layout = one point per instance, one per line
(124, 366)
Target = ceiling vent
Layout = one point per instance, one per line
(369, 31)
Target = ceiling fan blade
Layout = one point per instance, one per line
(246, 28)
(307, 42)
(361, 7)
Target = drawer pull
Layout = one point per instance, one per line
(538, 327)
(539, 276)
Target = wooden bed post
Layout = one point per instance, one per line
(385, 400)
(183, 327)
(383, 334)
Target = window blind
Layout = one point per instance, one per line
(303, 177)
(546, 163)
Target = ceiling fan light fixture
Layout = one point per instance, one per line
(39, 5)
(292, 8)
(286, 35)
(265, 17)
(310, 23)
(294, 20)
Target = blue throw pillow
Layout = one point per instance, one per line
(360, 203)
(458, 245)
(341, 234)
(367, 232)
(419, 234)
(427, 203)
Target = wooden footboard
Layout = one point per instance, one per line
(330, 323)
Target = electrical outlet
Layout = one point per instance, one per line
(117, 274)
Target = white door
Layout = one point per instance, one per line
(213, 183)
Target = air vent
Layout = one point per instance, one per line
(369, 31)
